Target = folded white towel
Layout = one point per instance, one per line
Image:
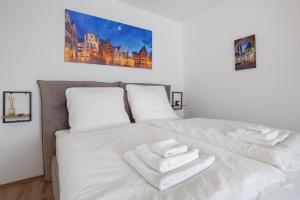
(169, 179)
(168, 148)
(165, 164)
(257, 134)
(281, 137)
(262, 129)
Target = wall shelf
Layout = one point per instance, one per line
(22, 115)
(177, 102)
(15, 116)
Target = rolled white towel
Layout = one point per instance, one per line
(169, 179)
(168, 148)
(165, 164)
(170, 141)
(262, 129)
(281, 137)
(257, 135)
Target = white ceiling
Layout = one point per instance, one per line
(178, 10)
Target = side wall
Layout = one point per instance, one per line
(270, 93)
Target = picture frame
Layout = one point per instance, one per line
(95, 40)
(245, 53)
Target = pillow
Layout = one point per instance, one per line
(95, 108)
(149, 103)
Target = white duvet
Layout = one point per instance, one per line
(91, 167)
(285, 155)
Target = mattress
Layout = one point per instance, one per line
(91, 166)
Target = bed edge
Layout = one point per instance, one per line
(55, 178)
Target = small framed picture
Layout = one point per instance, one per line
(245, 53)
(17, 106)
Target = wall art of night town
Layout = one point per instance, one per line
(95, 40)
(245, 53)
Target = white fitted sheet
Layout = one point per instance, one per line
(290, 192)
(91, 166)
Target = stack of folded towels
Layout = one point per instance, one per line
(167, 163)
(260, 135)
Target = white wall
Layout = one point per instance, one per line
(32, 44)
(270, 93)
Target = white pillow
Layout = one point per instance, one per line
(149, 103)
(95, 108)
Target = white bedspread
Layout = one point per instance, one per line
(285, 155)
(91, 167)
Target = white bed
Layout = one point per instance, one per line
(91, 166)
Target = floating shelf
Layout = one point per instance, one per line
(15, 116)
(22, 115)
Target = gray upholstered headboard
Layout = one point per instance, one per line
(55, 113)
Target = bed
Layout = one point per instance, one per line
(89, 165)
(55, 117)
(55, 113)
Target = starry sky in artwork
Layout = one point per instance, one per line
(128, 37)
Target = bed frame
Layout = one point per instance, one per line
(55, 117)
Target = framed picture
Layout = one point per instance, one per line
(95, 40)
(245, 53)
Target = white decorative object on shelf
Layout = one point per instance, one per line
(11, 108)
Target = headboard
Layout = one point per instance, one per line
(55, 114)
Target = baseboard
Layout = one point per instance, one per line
(11, 184)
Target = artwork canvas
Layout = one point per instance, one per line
(245, 53)
(95, 40)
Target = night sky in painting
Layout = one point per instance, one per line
(244, 44)
(128, 37)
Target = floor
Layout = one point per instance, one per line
(34, 190)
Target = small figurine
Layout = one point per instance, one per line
(177, 103)
(11, 108)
